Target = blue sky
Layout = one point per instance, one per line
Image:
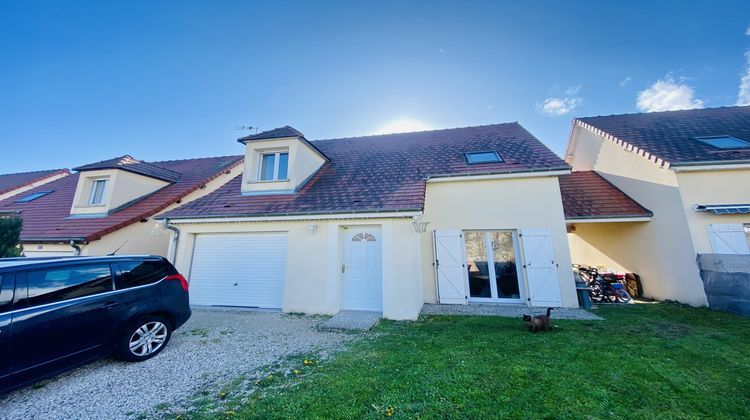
(85, 81)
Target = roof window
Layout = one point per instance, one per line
(724, 142)
(33, 196)
(482, 157)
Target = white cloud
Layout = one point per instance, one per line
(667, 95)
(557, 106)
(625, 81)
(743, 95)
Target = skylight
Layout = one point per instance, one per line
(32, 196)
(724, 142)
(482, 157)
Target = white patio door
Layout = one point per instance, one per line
(541, 267)
(492, 270)
(362, 287)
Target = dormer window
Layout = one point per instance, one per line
(274, 166)
(96, 195)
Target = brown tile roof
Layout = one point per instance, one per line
(47, 218)
(385, 172)
(670, 136)
(586, 195)
(130, 164)
(10, 182)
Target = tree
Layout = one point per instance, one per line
(10, 234)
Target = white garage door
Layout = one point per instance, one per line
(238, 270)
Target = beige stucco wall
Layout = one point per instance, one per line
(660, 251)
(712, 187)
(497, 204)
(313, 277)
(32, 185)
(303, 162)
(122, 187)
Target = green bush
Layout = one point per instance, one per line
(10, 233)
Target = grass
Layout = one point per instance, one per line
(648, 360)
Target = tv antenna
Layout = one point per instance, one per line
(246, 127)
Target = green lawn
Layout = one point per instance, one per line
(646, 360)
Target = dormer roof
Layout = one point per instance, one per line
(130, 164)
(276, 133)
(280, 133)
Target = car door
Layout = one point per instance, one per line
(6, 305)
(65, 317)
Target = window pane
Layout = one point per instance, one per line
(97, 191)
(483, 157)
(504, 257)
(267, 162)
(48, 286)
(140, 273)
(283, 165)
(476, 256)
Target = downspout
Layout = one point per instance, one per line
(76, 247)
(173, 249)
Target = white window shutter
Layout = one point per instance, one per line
(541, 267)
(728, 238)
(450, 267)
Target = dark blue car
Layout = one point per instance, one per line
(58, 313)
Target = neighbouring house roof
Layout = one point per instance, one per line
(670, 136)
(130, 164)
(47, 218)
(10, 182)
(384, 173)
(586, 195)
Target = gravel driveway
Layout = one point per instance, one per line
(213, 347)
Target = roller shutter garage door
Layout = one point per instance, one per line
(238, 270)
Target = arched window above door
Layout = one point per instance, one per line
(363, 237)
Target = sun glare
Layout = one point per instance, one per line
(403, 125)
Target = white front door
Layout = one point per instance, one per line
(362, 287)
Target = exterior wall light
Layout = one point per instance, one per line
(313, 228)
(420, 226)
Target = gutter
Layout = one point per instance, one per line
(604, 219)
(175, 238)
(76, 247)
(710, 165)
(294, 214)
(560, 170)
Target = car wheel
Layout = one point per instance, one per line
(144, 338)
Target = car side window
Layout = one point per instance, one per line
(58, 284)
(6, 293)
(141, 273)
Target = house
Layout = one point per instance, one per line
(687, 174)
(109, 204)
(381, 223)
(14, 184)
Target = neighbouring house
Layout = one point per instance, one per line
(109, 205)
(381, 223)
(14, 184)
(687, 176)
